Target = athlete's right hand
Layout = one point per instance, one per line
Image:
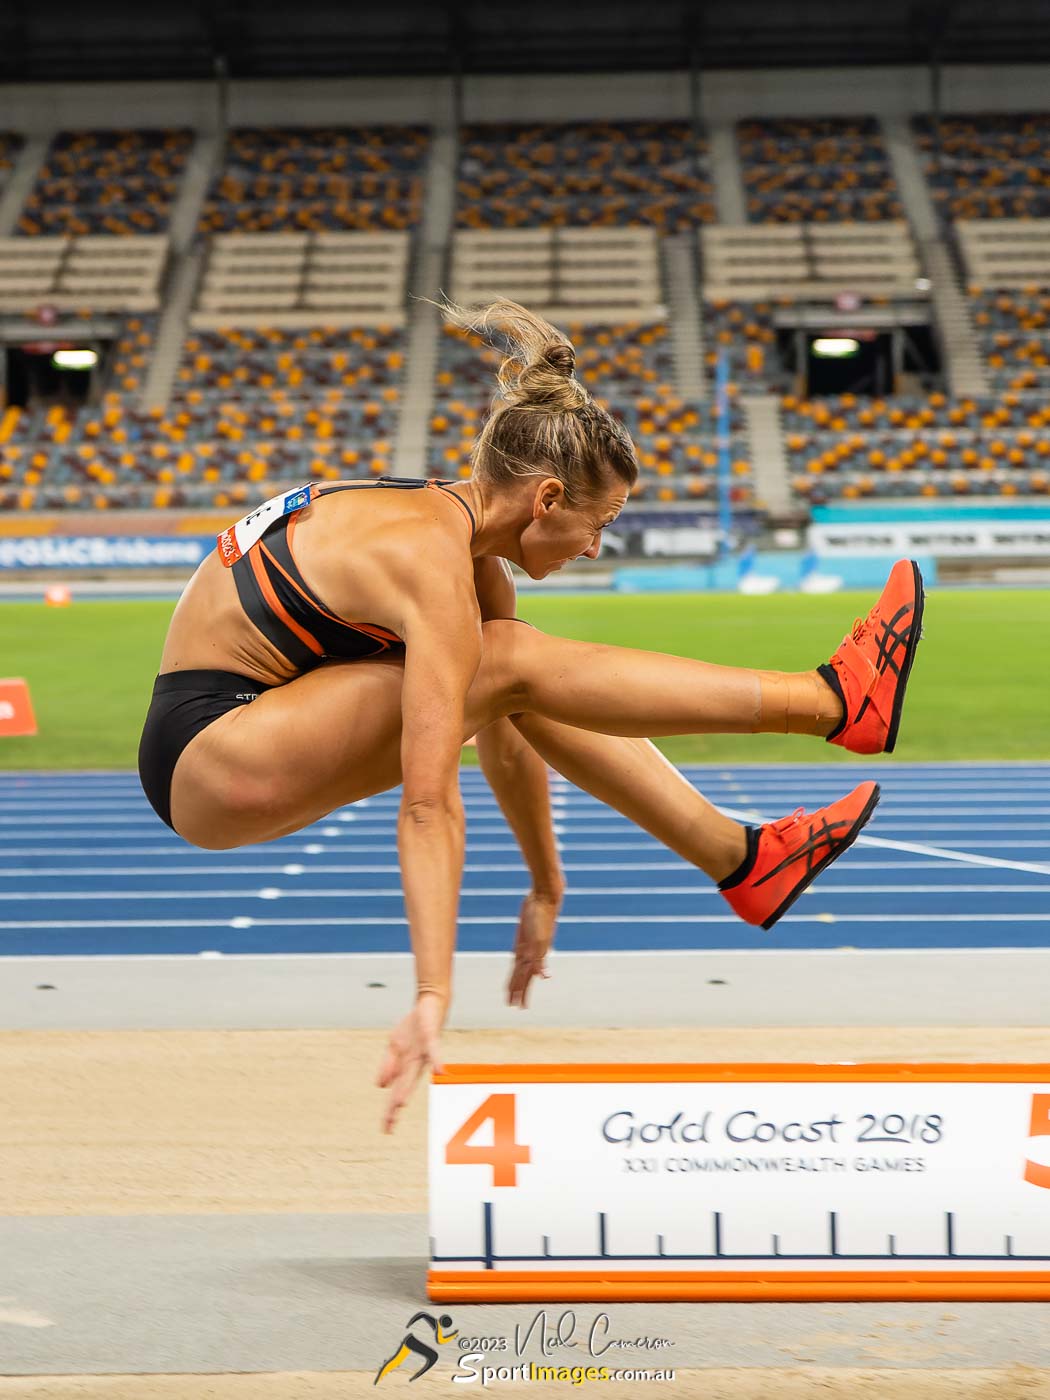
(414, 1047)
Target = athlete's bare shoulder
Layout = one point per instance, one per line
(365, 551)
(430, 559)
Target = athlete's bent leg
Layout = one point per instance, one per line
(633, 776)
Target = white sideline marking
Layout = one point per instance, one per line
(916, 848)
(22, 1317)
(946, 853)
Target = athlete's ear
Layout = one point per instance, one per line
(551, 492)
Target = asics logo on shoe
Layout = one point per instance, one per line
(892, 637)
(819, 840)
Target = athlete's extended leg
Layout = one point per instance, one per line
(855, 700)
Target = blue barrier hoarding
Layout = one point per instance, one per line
(103, 551)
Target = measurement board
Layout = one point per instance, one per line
(743, 1181)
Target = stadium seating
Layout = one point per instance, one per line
(988, 165)
(10, 145)
(745, 331)
(103, 182)
(933, 446)
(58, 457)
(802, 170)
(1013, 331)
(251, 409)
(583, 173)
(316, 178)
(629, 369)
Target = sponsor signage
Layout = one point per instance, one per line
(103, 551)
(977, 539)
(786, 1181)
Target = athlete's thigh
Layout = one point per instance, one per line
(328, 737)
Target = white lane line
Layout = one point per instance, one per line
(495, 867)
(980, 808)
(366, 837)
(148, 819)
(510, 892)
(133, 959)
(477, 847)
(641, 922)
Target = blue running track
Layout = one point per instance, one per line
(957, 856)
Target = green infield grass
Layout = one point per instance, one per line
(979, 689)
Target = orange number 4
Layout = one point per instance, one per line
(1035, 1172)
(503, 1155)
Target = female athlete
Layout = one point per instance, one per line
(273, 707)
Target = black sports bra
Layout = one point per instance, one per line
(285, 609)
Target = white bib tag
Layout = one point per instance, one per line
(235, 542)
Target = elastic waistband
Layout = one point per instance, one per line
(207, 681)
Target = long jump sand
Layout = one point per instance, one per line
(176, 1122)
(818, 1383)
(187, 1122)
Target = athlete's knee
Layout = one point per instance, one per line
(233, 809)
(507, 645)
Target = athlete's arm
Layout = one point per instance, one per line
(441, 628)
(517, 776)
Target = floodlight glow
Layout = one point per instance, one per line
(74, 359)
(835, 347)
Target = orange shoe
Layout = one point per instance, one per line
(785, 857)
(870, 670)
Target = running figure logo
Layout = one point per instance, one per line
(413, 1344)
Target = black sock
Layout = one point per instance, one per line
(745, 867)
(827, 672)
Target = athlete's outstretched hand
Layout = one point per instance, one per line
(413, 1048)
(536, 923)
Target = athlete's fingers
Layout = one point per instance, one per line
(389, 1064)
(435, 1059)
(522, 973)
(402, 1088)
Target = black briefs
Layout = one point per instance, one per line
(184, 703)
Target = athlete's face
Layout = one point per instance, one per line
(559, 532)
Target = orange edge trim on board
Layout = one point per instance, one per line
(754, 1072)
(506, 1286)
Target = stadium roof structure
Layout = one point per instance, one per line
(111, 40)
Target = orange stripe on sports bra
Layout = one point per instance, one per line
(380, 634)
(259, 570)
